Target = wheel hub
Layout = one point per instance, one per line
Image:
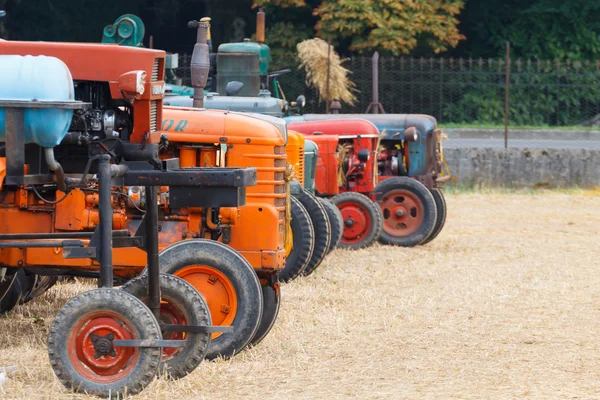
(103, 345)
(357, 222)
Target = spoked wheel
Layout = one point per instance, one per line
(409, 212)
(41, 284)
(181, 304)
(12, 289)
(335, 220)
(362, 220)
(442, 212)
(228, 284)
(81, 343)
(321, 226)
(303, 242)
(271, 304)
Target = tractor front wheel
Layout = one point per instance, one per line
(409, 212)
(362, 220)
(271, 304)
(321, 226)
(336, 221)
(227, 282)
(442, 212)
(82, 350)
(180, 304)
(303, 242)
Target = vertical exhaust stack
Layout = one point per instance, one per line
(200, 64)
(260, 26)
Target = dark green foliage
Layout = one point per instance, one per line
(545, 29)
(545, 93)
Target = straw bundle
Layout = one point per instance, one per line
(342, 153)
(313, 55)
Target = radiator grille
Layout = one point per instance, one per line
(156, 70)
(300, 167)
(153, 111)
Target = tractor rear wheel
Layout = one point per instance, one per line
(322, 227)
(442, 213)
(228, 284)
(15, 285)
(271, 304)
(81, 344)
(181, 304)
(303, 242)
(362, 220)
(335, 220)
(41, 285)
(409, 212)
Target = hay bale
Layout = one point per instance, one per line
(313, 55)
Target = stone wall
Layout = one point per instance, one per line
(524, 167)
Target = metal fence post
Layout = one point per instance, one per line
(375, 106)
(506, 94)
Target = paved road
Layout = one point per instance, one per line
(521, 144)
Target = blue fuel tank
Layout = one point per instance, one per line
(40, 78)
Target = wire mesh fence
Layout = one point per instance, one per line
(466, 91)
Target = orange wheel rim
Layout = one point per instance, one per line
(217, 290)
(91, 351)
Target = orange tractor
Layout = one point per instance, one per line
(217, 139)
(85, 193)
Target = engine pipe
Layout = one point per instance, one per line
(55, 167)
(200, 64)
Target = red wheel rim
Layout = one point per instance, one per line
(403, 212)
(357, 222)
(98, 367)
(171, 315)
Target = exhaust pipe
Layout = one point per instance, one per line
(200, 64)
(55, 167)
(260, 26)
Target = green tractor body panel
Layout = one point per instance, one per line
(244, 62)
(311, 154)
(263, 104)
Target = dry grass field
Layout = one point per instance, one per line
(504, 304)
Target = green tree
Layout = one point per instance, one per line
(545, 29)
(390, 25)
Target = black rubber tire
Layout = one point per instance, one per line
(131, 310)
(12, 289)
(240, 274)
(303, 242)
(335, 220)
(271, 304)
(374, 213)
(442, 213)
(189, 303)
(423, 194)
(322, 227)
(41, 285)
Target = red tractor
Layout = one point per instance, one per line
(347, 172)
(408, 209)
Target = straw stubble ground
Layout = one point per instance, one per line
(505, 303)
